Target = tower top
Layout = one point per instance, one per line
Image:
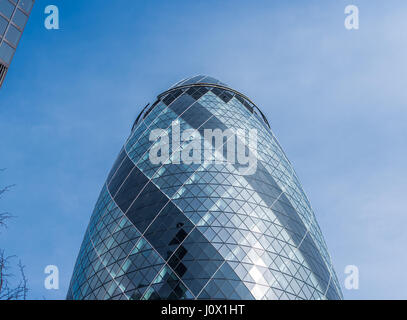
(199, 79)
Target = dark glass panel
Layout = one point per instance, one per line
(168, 230)
(223, 94)
(196, 115)
(172, 96)
(195, 261)
(147, 206)
(121, 174)
(116, 164)
(197, 92)
(182, 103)
(130, 189)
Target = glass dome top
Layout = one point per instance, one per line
(199, 79)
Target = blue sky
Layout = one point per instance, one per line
(335, 99)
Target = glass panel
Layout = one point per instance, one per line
(13, 35)
(20, 19)
(6, 8)
(3, 25)
(26, 5)
(6, 52)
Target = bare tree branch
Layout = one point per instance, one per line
(23, 283)
(4, 216)
(8, 291)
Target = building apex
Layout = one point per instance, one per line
(199, 79)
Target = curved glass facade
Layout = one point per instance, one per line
(202, 230)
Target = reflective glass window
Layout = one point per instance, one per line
(3, 26)
(6, 52)
(20, 19)
(26, 5)
(6, 8)
(13, 35)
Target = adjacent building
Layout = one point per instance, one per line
(13, 18)
(177, 230)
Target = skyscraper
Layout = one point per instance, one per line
(13, 18)
(202, 229)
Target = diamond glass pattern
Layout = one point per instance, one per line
(202, 231)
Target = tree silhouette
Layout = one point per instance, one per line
(8, 291)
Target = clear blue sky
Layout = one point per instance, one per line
(336, 99)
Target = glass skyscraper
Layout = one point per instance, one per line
(177, 230)
(13, 18)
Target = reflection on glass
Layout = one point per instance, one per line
(26, 5)
(13, 35)
(6, 8)
(20, 19)
(221, 236)
(6, 52)
(3, 25)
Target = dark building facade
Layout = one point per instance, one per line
(206, 230)
(13, 18)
